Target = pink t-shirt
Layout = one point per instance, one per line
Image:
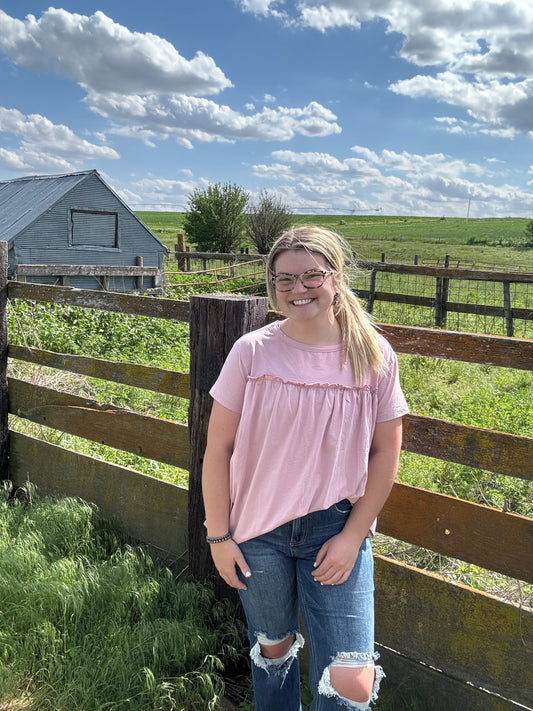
(304, 436)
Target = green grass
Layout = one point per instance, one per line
(483, 242)
(91, 622)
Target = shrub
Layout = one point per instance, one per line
(215, 220)
(528, 234)
(267, 219)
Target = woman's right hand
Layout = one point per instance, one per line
(227, 557)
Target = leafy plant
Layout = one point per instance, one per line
(266, 220)
(528, 234)
(216, 219)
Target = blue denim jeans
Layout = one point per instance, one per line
(338, 619)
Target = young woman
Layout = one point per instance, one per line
(302, 451)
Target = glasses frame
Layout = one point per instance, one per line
(324, 272)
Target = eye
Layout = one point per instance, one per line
(284, 282)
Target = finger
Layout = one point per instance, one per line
(333, 576)
(320, 557)
(243, 566)
(233, 580)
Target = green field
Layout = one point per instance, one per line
(480, 242)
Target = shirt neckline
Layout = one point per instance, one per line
(334, 348)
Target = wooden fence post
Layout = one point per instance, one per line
(371, 292)
(180, 247)
(4, 427)
(441, 298)
(509, 327)
(216, 322)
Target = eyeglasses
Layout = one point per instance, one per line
(311, 279)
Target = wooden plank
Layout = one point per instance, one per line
(449, 272)
(497, 452)
(159, 380)
(413, 685)
(490, 350)
(154, 307)
(150, 437)
(492, 539)
(451, 306)
(220, 256)
(84, 270)
(466, 634)
(148, 509)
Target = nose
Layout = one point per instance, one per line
(299, 286)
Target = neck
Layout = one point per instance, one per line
(325, 333)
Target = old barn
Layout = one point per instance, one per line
(74, 229)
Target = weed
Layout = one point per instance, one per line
(91, 622)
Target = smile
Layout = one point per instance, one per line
(302, 302)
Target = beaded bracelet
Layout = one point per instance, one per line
(218, 539)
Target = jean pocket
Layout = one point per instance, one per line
(343, 507)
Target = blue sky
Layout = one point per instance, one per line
(414, 108)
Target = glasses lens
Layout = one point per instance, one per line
(313, 278)
(284, 282)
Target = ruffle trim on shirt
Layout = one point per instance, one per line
(323, 386)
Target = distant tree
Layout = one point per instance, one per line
(216, 218)
(529, 234)
(268, 217)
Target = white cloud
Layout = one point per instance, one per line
(188, 118)
(482, 48)
(101, 55)
(394, 183)
(324, 18)
(258, 7)
(45, 145)
(160, 91)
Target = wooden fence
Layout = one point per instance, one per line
(439, 301)
(101, 273)
(456, 647)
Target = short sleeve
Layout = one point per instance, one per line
(230, 385)
(391, 400)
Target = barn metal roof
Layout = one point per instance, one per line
(23, 200)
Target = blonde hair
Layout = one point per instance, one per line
(360, 340)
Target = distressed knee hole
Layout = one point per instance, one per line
(276, 665)
(353, 679)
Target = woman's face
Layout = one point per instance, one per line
(302, 303)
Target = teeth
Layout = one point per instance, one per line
(301, 302)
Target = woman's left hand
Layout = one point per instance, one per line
(336, 559)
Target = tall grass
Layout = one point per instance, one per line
(91, 622)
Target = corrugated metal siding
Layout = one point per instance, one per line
(46, 238)
(23, 200)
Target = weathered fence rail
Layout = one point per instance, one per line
(458, 647)
(101, 273)
(439, 301)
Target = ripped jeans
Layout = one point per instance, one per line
(338, 619)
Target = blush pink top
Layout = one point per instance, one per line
(305, 431)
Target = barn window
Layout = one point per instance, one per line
(92, 228)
